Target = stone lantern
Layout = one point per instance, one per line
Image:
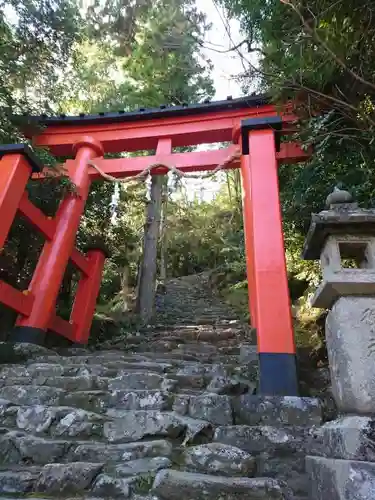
(343, 238)
(342, 457)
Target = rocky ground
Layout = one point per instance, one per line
(171, 415)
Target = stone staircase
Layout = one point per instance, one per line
(171, 415)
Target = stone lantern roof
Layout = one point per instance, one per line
(342, 216)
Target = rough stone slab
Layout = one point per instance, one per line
(95, 401)
(290, 469)
(111, 361)
(99, 452)
(55, 359)
(140, 400)
(142, 466)
(350, 438)
(146, 497)
(277, 410)
(31, 395)
(195, 429)
(140, 381)
(191, 369)
(341, 479)
(39, 418)
(219, 459)
(4, 404)
(19, 481)
(212, 408)
(169, 356)
(16, 447)
(53, 370)
(59, 421)
(191, 375)
(68, 383)
(108, 486)
(149, 366)
(15, 353)
(256, 439)
(22, 380)
(174, 485)
(248, 354)
(79, 423)
(96, 370)
(223, 384)
(351, 352)
(135, 425)
(10, 371)
(181, 404)
(67, 478)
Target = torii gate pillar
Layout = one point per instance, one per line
(266, 268)
(51, 266)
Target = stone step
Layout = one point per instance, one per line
(51, 479)
(140, 381)
(73, 479)
(176, 485)
(60, 422)
(127, 426)
(125, 381)
(279, 451)
(141, 400)
(151, 362)
(217, 459)
(56, 369)
(65, 391)
(186, 399)
(213, 408)
(219, 409)
(20, 447)
(349, 479)
(277, 411)
(141, 466)
(93, 363)
(117, 426)
(21, 353)
(124, 452)
(32, 394)
(177, 327)
(67, 383)
(275, 441)
(88, 496)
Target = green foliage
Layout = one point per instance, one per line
(36, 39)
(203, 235)
(117, 57)
(321, 54)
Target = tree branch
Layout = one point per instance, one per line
(321, 42)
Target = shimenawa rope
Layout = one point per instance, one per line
(142, 175)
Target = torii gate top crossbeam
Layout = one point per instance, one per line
(185, 125)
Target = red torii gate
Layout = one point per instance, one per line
(252, 125)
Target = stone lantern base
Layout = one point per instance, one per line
(342, 466)
(350, 334)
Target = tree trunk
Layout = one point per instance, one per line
(125, 289)
(237, 189)
(163, 234)
(146, 293)
(228, 186)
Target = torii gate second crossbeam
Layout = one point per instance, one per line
(250, 124)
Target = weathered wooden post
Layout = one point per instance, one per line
(343, 238)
